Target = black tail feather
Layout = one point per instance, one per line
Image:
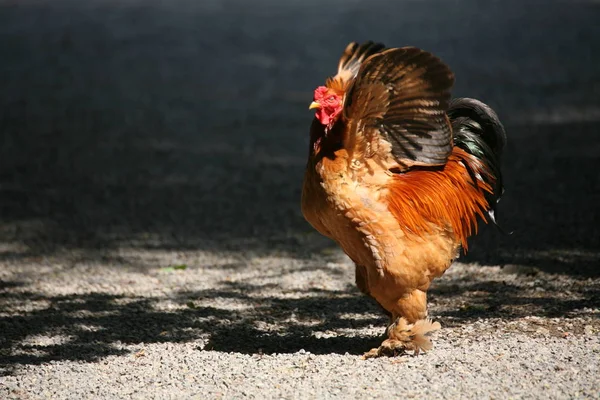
(478, 131)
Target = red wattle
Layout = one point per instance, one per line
(327, 115)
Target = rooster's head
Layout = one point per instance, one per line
(329, 104)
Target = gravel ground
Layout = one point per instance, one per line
(151, 242)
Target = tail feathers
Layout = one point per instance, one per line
(482, 118)
(478, 131)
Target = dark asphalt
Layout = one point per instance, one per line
(188, 122)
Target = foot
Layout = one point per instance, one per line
(403, 336)
(388, 348)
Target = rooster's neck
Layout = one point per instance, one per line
(325, 140)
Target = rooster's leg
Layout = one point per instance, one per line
(409, 327)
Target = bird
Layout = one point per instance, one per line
(399, 175)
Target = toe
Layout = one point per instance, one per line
(389, 348)
(373, 353)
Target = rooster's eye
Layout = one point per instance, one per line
(331, 98)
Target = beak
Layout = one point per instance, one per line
(314, 104)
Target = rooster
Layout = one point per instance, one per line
(398, 175)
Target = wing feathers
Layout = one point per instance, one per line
(350, 62)
(401, 96)
(355, 54)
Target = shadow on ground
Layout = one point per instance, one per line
(89, 327)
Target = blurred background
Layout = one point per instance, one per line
(184, 124)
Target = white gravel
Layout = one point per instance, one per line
(492, 366)
(217, 330)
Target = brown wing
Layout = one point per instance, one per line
(350, 62)
(397, 104)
